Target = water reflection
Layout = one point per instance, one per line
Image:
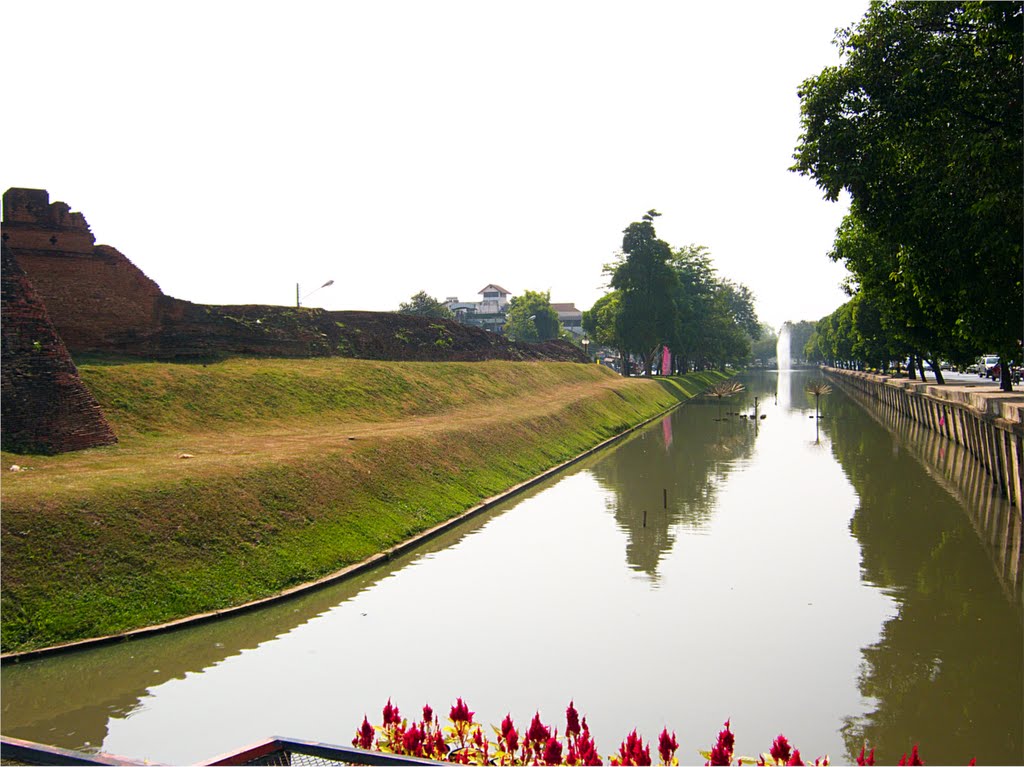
(947, 669)
(655, 490)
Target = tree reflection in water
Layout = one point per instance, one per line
(686, 471)
(949, 663)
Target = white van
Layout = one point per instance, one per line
(986, 363)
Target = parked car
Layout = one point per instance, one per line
(987, 364)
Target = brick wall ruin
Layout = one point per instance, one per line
(96, 298)
(45, 406)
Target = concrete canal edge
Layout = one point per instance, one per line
(345, 572)
(987, 422)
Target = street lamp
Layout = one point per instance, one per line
(586, 346)
(298, 302)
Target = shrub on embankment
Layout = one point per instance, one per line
(298, 468)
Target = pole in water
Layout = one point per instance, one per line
(664, 498)
(645, 517)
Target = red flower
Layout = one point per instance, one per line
(364, 735)
(460, 712)
(720, 756)
(780, 750)
(412, 741)
(391, 714)
(586, 749)
(538, 734)
(795, 760)
(553, 751)
(868, 760)
(632, 751)
(726, 739)
(428, 714)
(914, 758)
(667, 745)
(435, 747)
(572, 721)
(509, 734)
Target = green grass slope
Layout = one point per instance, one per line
(296, 469)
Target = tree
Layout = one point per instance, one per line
(601, 322)
(531, 318)
(425, 306)
(647, 285)
(717, 322)
(923, 125)
(765, 347)
(799, 335)
(697, 281)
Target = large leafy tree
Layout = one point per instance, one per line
(647, 285)
(530, 317)
(697, 282)
(601, 322)
(922, 125)
(424, 305)
(717, 322)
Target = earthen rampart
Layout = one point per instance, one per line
(95, 301)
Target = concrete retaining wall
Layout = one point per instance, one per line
(987, 422)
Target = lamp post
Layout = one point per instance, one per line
(298, 301)
(586, 347)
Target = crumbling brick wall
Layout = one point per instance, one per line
(97, 299)
(45, 406)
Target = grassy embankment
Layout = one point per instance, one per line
(298, 468)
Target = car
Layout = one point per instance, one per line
(986, 364)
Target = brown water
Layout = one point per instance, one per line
(847, 586)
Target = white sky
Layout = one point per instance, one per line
(232, 150)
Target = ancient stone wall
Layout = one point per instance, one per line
(96, 298)
(45, 406)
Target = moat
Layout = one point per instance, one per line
(821, 582)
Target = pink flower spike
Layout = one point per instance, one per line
(391, 714)
(538, 734)
(552, 751)
(364, 735)
(428, 714)
(460, 712)
(781, 750)
(509, 734)
(795, 760)
(667, 746)
(572, 721)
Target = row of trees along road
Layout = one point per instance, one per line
(665, 297)
(922, 126)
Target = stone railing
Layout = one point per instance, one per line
(987, 422)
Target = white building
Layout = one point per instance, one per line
(488, 313)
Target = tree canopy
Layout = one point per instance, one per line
(922, 125)
(672, 297)
(531, 318)
(425, 306)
